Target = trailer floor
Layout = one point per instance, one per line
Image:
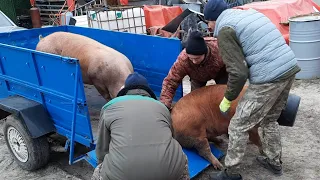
(301, 145)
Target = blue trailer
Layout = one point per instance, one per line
(42, 94)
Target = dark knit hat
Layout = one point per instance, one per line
(213, 9)
(196, 44)
(136, 81)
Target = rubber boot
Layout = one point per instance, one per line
(225, 175)
(273, 167)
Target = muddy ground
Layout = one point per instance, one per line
(301, 144)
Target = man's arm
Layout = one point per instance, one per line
(222, 76)
(233, 57)
(173, 80)
(102, 146)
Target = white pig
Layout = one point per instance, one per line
(101, 66)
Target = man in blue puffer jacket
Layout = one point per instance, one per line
(252, 48)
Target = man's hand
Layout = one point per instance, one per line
(224, 106)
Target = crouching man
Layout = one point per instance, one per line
(200, 60)
(135, 137)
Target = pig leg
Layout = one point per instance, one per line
(214, 139)
(85, 78)
(200, 144)
(255, 139)
(204, 150)
(95, 76)
(185, 140)
(114, 90)
(103, 91)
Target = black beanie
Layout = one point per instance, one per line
(196, 44)
(136, 81)
(213, 9)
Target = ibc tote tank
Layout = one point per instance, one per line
(305, 42)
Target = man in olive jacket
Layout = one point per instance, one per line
(135, 137)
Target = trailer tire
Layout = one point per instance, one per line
(30, 153)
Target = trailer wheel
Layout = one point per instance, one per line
(29, 153)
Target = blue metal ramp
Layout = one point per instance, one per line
(195, 162)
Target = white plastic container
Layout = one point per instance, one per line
(130, 20)
(65, 18)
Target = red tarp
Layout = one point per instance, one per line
(158, 15)
(32, 2)
(280, 11)
(71, 4)
(277, 10)
(123, 2)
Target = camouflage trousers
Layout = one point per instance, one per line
(185, 175)
(96, 174)
(260, 105)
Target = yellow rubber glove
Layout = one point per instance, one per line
(225, 105)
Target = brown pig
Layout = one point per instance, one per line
(101, 66)
(197, 120)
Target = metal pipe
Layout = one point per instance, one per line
(141, 21)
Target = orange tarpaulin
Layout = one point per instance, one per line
(123, 2)
(71, 4)
(157, 15)
(280, 11)
(32, 2)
